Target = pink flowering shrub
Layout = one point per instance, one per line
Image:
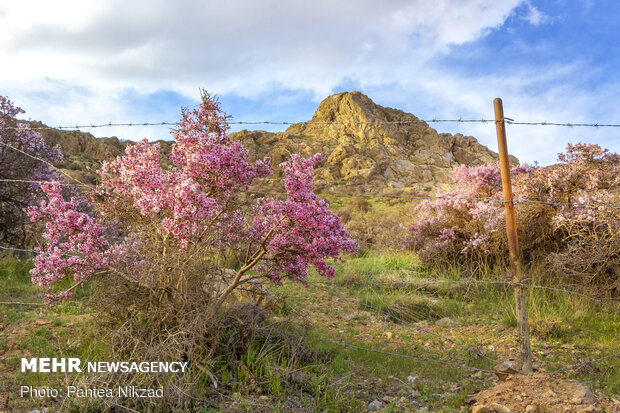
(16, 143)
(589, 248)
(169, 232)
(165, 247)
(465, 225)
(579, 241)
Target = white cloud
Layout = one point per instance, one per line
(534, 16)
(243, 47)
(70, 61)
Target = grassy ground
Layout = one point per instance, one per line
(341, 376)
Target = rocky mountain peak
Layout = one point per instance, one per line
(352, 107)
(371, 148)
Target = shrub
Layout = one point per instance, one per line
(575, 241)
(18, 146)
(157, 240)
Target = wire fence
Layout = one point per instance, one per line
(448, 339)
(421, 329)
(469, 282)
(370, 196)
(322, 285)
(414, 121)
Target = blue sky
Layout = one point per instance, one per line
(80, 62)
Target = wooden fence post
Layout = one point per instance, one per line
(513, 241)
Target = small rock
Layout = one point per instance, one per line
(445, 322)
(236, 395)
(505, 369)
(264, 398)
(583, 395)
(415, 381)
(590, 409)
(387, 399)
(375, 406)
(549, 394)
(350, 316)
(499, 408)
(531, 409)
(491, 408)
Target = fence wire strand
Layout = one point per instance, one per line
(455, 198)
(403, 322)
(77, 128)
(497, 282)
(587, 363)
(389, 353)
(337, 195)
(369, 196)
(45, 162)
(17, 249)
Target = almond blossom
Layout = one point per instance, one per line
(163, 226)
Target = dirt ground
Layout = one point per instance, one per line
(538, 393)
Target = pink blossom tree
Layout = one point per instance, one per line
(171, 230)
(17, 142)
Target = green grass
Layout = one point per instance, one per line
(15, 279)
(565, 330)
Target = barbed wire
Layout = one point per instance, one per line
(492, 282)
(311, 122)
(604, 383)
(389, 353)
(479, 282)
(371, 350)
(45, 162)
(403, 322)
(21, 303)
(435, 197)
(38, 304)
(566, 124)
(451, 340)
(426, 283)
(587, 363)
(337, 195)
(373, 196)
(16, 249)
(27, 181)
(458, 344)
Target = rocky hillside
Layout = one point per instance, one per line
(363, 153)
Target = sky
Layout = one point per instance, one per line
(76, 62)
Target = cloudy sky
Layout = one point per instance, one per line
(72, 62)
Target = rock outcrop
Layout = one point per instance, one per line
(370, 148)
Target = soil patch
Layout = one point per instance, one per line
(541, 393)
